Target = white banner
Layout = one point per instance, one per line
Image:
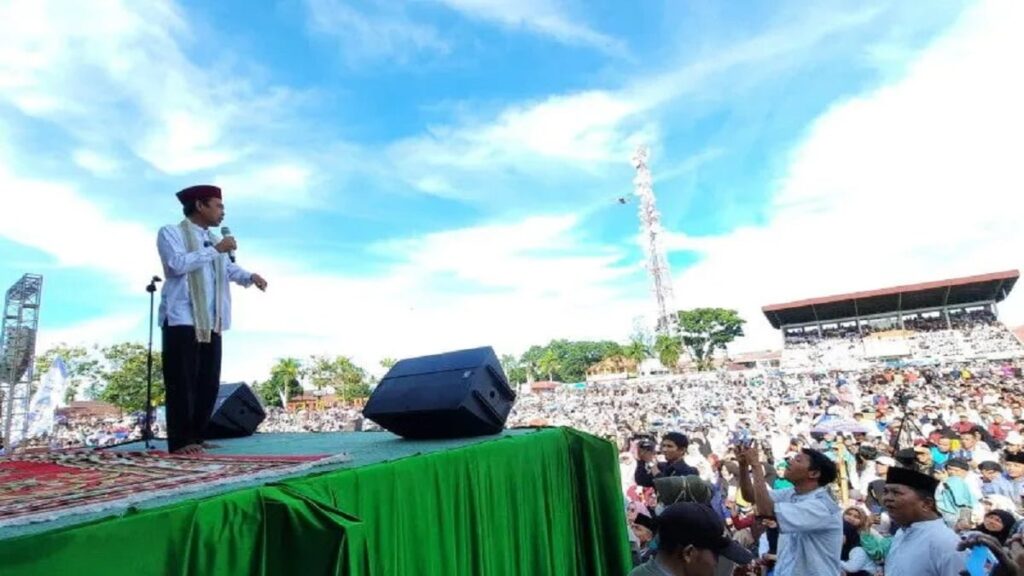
(44, 403)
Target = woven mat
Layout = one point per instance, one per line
(45, 486)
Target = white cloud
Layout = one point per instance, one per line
(586, 132)
(98, 164)
(509, 285)
(285, 183)
(117, 72)
(77, 232)
(103, 330)
(917, 180)
(382, 31)
(547, 17)
(578, 128)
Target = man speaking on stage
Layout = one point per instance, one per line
(195, 307)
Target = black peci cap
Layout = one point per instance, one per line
(689, 523)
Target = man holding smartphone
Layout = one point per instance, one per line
(673, 447)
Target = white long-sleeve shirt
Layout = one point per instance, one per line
(175, 302)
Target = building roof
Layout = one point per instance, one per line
(756, 355)
(89, 408)
(984, 287)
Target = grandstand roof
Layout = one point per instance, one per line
(995, 286)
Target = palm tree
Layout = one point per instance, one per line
(669, 349)
(284, 377)
(548, 362)
(637, 351)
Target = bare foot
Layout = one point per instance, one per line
(210, 445)
(190, 449)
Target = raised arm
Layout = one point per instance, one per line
(752, 484)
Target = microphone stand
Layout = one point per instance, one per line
(147, 427)
(147, 430)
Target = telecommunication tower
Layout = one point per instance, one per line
(17, 350)
(657, 263)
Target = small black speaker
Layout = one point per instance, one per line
(452, 395)
(237, 412)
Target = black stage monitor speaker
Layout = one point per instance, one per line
(237, 412)
(452, 395)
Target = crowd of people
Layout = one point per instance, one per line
(971, 335)
(325, 419)
(865, 472)
(91, 432)
(894, 469)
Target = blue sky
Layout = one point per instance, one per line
(418, 176)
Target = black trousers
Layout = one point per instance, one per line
(192, 378)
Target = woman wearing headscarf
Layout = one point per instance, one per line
(997, 524)
(863, 550)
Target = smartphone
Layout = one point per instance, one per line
(981, 561)
(966, 514)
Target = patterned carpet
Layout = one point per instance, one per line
(44, 486)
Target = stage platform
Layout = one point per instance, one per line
(543, 501)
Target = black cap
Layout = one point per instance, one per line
(958, 463)
(912, 479)
(646, 521)
(1017, 457)
(689, 523)
(906, 455)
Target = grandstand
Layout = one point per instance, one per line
(932, 322)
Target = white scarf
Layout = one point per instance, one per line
(198, 290)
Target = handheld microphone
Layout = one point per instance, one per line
(226, 233)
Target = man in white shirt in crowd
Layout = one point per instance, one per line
(195, 307)
(924, 545)
(810, 522)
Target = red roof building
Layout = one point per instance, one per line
(980, 290)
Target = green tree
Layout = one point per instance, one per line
(124, 371)
(529, 360)
(637, 351)
(388, 363)
(340, 373)
(514, 368)
(705, 330)
(82, 365)
(668, 349)
(284, 376)
(567, 360)
(548, 363)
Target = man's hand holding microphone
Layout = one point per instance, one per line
(228, 245)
